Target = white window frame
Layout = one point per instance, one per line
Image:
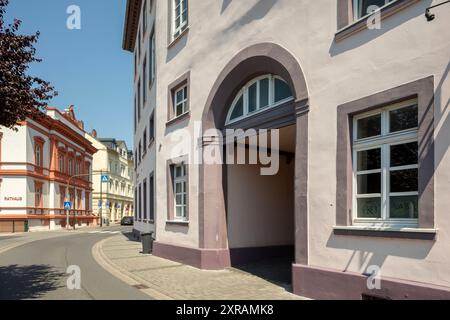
(383, 142)
(183, 102)
(358, 14)
(177, 31)
(245, 93)
(182, 179)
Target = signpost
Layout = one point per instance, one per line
(104, 179)
(67, 207)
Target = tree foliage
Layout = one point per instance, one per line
(21, 95)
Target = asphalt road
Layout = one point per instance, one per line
(38, 270)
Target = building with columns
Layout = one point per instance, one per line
(358, 91)
(46, 162)
(117, 195)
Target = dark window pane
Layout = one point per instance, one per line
(282, 90)
(180, 109)
(252, 93)
(238, 109)
(179, 96)
(369, 183)
(369, 127)
(403, 119)
(404, 154)
(366, 6)
(264, 93)
(404, 180)
(369, 208)
(405, 207)
(369, 160)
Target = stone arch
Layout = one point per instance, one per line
(258, 59)
(251, 62)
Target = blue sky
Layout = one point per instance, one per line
(88, 67)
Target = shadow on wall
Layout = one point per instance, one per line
(29, 282)
(388, 24)
(369, 252)
(257, 12)
(225, 4)
(177, 47)
(442, 121)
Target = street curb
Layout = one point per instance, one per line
(124, 275)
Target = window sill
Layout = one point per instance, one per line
(180, 118)
(178, 223)
(361, 24)
(176, 39)
(386, 232)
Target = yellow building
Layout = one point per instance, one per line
(114, 160)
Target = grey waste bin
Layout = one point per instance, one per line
(147, 242)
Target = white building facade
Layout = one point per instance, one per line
(43, 164)
(113, 199)
(360, 102)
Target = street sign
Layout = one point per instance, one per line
(67, 205)
(105, 179)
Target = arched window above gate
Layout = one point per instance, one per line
(261, 93)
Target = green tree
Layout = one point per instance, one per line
(21, 95)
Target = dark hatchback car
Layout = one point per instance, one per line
(127, 221)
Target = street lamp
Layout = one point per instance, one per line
(431, 16)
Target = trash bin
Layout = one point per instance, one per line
(147, 243)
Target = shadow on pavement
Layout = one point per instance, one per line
(28, 282)
(277, 271)
(131, 236)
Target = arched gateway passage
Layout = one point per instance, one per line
(223, 238)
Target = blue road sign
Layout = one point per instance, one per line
(105, 179)
(67, 205)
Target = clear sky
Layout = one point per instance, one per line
(87, 67)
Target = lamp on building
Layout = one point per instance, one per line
(431, 16)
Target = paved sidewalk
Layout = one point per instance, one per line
(164, 279)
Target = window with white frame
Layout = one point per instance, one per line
(385, 165)
(361, 8)
(259, 94)
(180, 191)
(180, 101)
(180, 17)
(38, 155)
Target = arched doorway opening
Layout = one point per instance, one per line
(228, 221)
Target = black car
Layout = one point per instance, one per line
(127, 221)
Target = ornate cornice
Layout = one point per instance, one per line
(131, 24)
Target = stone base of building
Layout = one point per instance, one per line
(199, 258)
(328, 284)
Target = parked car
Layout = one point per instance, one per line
(127, 221)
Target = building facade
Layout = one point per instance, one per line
(360, 104)
(114, 160)
(43, 164)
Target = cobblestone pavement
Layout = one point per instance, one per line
(170, 280)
